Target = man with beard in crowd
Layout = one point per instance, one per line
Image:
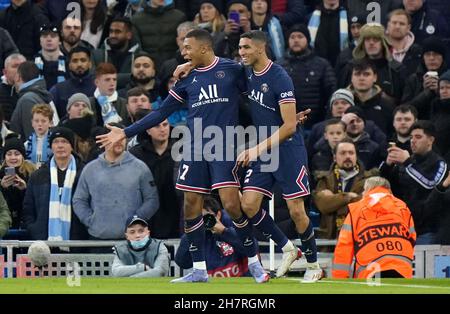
(80, 81)
(71, 29)
(118, 49)
(143, 75)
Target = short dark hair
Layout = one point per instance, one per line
(78, 49)
(201, 35)
(425, 125)
(255, 35)
(126, 21)
(137, 91)
(362, 65)
(28, 71)
(212, 204)
(345, 140)
(334, 121)
(404, 109)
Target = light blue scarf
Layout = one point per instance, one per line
(31, 150)
(314, 23)
(60, 209)
(61, 67)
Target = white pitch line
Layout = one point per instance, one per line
(377, 284)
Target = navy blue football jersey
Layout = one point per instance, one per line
(267, 91)
(211, 95)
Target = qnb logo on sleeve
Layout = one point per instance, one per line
(287, 94)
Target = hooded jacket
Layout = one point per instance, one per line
(36, 93)
(123, 61)
(104, 208)
(378, 108)
(37, 201)
(410, 55)
(165, 224)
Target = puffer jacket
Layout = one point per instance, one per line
(314, 82)
(156, 29)
(23, 24)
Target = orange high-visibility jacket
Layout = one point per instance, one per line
(379, 234)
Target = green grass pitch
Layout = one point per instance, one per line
(243, 286)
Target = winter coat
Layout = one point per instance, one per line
(23, 24)
(427, 22)
(5, 216)
(368, 151)
(318, 129)
(357, 6)
(415, 95)
(391, 76)
(36, 93)
(413, 181)
(14, 199)
(8, 99)
(61, 92)
(314, 82)
(36, 205)
(378, 108)
(440, 116)
(165, 224)
(156, 30)
(334, 206)
(123, 61)
(7, 46)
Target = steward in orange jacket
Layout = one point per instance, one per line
(379, 234)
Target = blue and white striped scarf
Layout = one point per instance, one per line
(60, 209)
(314, 23)
(31, 149)
(61, 66)
(109, 112)
(276, 38)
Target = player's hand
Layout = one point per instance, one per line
(247, 156)
(116, 135)
(302, 116)
(351, 196)
(182, 70)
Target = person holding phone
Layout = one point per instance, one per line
(238, 22)
(14, 174)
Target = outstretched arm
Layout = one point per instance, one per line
(172, 103)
